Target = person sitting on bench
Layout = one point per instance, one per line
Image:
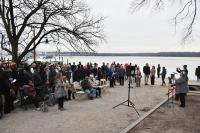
(87, 88)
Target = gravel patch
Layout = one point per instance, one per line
(87, 116)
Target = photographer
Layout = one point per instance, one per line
(181, 88)
(163, 75)
(197, 73)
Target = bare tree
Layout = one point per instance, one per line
(187, 13)
(24, 24)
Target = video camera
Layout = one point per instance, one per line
(179, 70)
(171, 78)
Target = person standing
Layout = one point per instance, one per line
(104, 70)
(112, 76)
(5, 87)
(158, 70)
(163, 75)
(185, 69)
(197, 73)
(146, 71)
(182, 88)
(138, 76)
(60, 91)
(152, 75)
(121, 75)
(73, 68)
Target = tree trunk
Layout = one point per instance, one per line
(15, 57)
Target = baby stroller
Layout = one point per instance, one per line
(44, 106)
(47, 99)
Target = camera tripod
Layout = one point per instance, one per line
(128, 101)
(171, 89)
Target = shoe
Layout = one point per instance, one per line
(91, 98)
(182, 106)
(37, 109)
(62, 109)
(16, 101)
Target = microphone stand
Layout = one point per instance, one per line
(128, 101)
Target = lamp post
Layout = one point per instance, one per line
(59, 54)
(34, 51)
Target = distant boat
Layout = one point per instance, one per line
(48, 57)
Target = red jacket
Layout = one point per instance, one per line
(29, 90)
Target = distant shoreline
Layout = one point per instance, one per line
(159, 54)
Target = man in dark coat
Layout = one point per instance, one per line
(146, 71)
(158, 70)
(5, 87)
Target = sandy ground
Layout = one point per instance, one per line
(170, 118)
(87, 116)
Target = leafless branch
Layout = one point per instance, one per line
(28, 22)
(186, 15)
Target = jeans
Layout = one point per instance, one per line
(163, 80)
(138, 81)
(91, 92)
(146, 79)
(121, 80)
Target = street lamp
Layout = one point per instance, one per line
(47, 41)
(34, 51)
(59, 54)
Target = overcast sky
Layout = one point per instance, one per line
(143, 31)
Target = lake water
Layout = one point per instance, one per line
(171, 63)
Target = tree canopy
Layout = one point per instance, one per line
(187, 15)
(24, 24)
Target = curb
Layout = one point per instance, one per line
(127, 129)
(194, 92)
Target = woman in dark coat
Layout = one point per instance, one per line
(182, 88)
(163, 75)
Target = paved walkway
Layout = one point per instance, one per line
(86, 116)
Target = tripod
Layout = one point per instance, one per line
(171, 89)
(129, 102)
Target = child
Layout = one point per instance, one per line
(60, 91)
(138, 76)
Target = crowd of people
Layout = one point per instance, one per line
(39, 79)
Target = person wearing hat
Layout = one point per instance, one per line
(182, 87)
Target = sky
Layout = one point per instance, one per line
(146, 30)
